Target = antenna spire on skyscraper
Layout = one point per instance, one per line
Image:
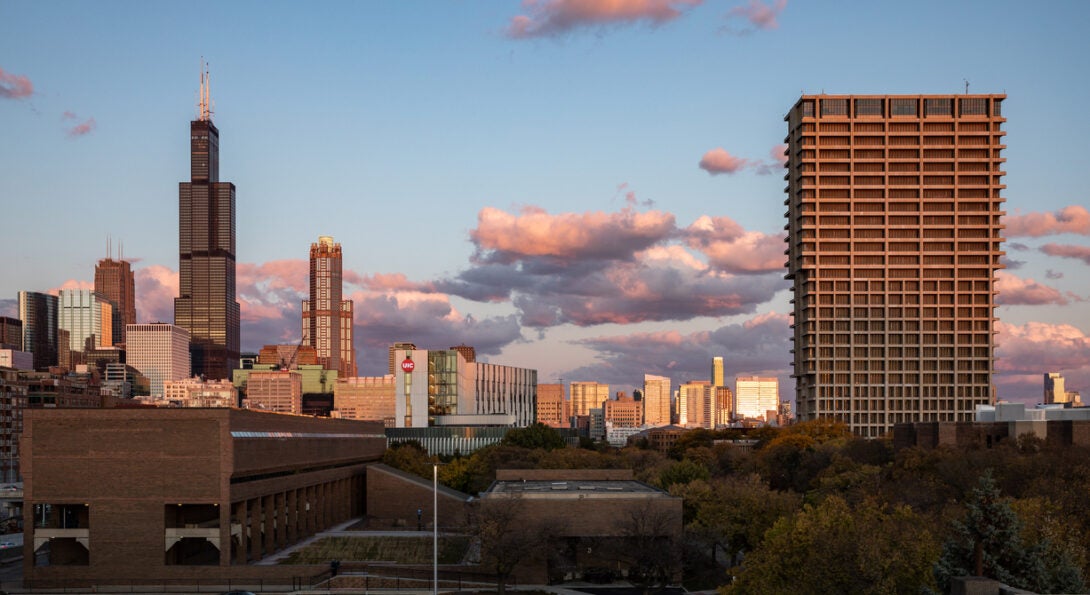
(204, 104)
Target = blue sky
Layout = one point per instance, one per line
(531, 190)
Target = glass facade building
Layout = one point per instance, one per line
(38, 311)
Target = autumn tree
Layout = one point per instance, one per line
(506, 539)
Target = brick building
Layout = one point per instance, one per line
(182, 494)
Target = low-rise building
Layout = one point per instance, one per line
(365, 398)
(279, 391)
(197, 392)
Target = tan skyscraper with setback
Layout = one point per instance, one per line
(328, 319)
(894, 238)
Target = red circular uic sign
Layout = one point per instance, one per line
(407, 365)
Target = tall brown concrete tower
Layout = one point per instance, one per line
(206, 305)
(115, 281)
(894, 239)
(328, 319)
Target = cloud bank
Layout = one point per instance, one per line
(1071, 219)
(550, 18)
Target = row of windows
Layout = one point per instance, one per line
(904, 106)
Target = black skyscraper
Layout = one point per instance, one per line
(206, 305)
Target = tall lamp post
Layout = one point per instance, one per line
(435, 527)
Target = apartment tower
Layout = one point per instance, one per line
(894, 239)
(206, 305)
(656, 400)
(327, 319)
(38, 312)
(115, 281)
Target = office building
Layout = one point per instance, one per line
(468, 352)
(206, 305)
(195, 392)
(894, 238)
(586, 396)
(327, 319)
(755, 396)
(365, 398)
(279, 391)
(11, 333)
(552, 408)
(38, 313)
(1054, 388)
(656, 400)
(85, 315)
(160, 351)
(724, 406)
(114, 280)
(696, 404)
(717, 371)
(623, 412)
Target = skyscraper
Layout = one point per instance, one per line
(206, 305)
(1054, 388)
(894, 240)
(717, 371)
(327, 319)
(656, 400)
(38, 311)
(159, 351)
(586, 396)
(85, 315)
(754, 397)
(114, 280)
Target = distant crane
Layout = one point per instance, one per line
(286, 365)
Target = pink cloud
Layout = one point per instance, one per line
(1068, 251)
(386, 282)
(503, 237)
(1025, 352)
(718, 161)
(1071, 219)
(757, 15)
(1014, 291)
(556, 17)
(72, 284)
(156, 288)
(729, 247)
(67, 115)
(15, 86)
(779, 154)
(81, 129)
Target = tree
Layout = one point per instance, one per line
(868, 549)
(410, 457)
(650, 545)
(537, 435)
(988, 542)
(505, 538)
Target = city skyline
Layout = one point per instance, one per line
(597, 195)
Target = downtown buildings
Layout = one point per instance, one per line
(206, 305)
(327, 319)
(894, 239)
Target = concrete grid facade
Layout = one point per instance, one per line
(586, 396)
(894, 239)
(159, 351)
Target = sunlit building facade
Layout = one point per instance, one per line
(586, 396)
(367, 398)
(755, 396)
(114, 280)
(552, 409)
(656, 400)
(160, 351)
(279, 391)
(894, 213)
(327, 319)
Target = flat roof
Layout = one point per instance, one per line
(579, 486)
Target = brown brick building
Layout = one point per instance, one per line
(186, 494)
(894, 226)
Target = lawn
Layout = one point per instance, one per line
(403, 550)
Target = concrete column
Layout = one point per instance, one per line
(293, 516)
(255, 549)
(269, 517)
(312, 511)
(282, 522)
(240, 516)
(225, 534)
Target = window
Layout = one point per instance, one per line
(903, 107)
(868, 107)
(938, 107)
(834, 107)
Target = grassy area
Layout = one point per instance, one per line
(403, 550)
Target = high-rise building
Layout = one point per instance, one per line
(38, 313)
(724, 406)
(206, 305)
(755, 396)
(114, 280)
(586, 396)
(894, 238)
(11, 333)
(717, 371)
(160, 351)
(85, 315)
(656, 400)
(327, 319)
(552, 409)
(696, 404)
(1054, 388)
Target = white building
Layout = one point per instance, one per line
(159, 351)
(84, 313)
(195, 392)
(755, 396)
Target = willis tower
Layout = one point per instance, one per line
(206, 305)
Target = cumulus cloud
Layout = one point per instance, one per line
(502, 237)
(82, 129)
(547, 18)
(1024, 352)
(755, 15)
(72, 284)
(1068, 251)
(156, 288)
(15, 86)
(719, 161)
(622, 268)
(759, 346)
(1071, 219)
(729, 247)
(1016, 291)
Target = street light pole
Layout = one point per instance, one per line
(435, 527)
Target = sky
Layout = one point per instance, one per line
(590, 188)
